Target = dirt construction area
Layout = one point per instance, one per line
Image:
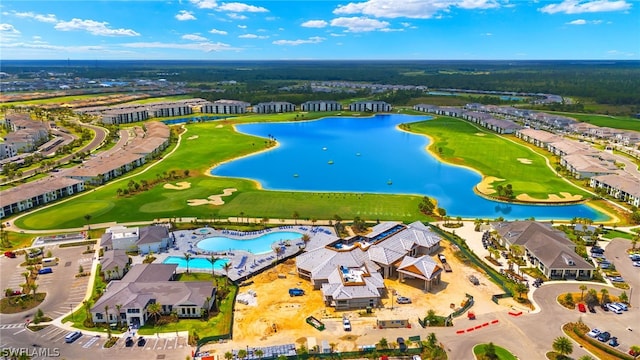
(274, 317)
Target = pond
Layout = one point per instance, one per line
(370, 155)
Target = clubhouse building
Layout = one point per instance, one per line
(351, 272)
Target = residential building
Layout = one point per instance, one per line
(321, 105)
(370, 106)
(273, 107)
(624, 188)
(225, 107)
(37, 193)
(125, 115)
(127, 301)
(7, 150)
(546, 248)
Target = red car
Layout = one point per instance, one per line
(10, 254)
(582, 308)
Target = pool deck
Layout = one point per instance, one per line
(244, 264)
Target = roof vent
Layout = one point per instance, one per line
(569, 261)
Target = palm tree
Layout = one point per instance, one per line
(383, 343)
(562, 345)
(208, 302)
(87, 308)
(213, 260)
(106, 315)
(432, 340)
(154, 309)
(242, 353)
(305, 239)
(228, 355)
(34, 288)
(259, 353)
(295, 217)
(26, 276)
(604, 296)
(582, 288)
(118, 308)
(187, 256)
(226, 268)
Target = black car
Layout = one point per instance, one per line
(604, 336)
(401, 344)
(614, 341)
(128, 342)
(141, 341)
(604, 307)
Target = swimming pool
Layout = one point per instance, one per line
(256, 245)
(195, 263)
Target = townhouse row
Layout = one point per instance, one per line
(133, 113)
(149, 142)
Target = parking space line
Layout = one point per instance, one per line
(19, 331)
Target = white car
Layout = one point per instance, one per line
(594, 332)
(346, 324)
(636, 263)
(403, 300)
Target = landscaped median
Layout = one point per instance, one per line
(491, 351)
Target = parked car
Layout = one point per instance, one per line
(72, 336)
(634, 257)
(614, 341)
(346, 324)
(604, 336)
(604, 307)
(141, 341)
(636, 263)
(594, 332)
(442, 258)
(403, 300)
(10, 254)
(616, 279)
(16, 293)
(46, 270)
(296, 292)
(474, 280)
(401, 344)
(592, 309)
(622, 306)
(128, 342)
(614, 308)
(582, 308)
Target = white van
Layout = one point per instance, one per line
(72, 336)
(614, 308)
(49, 261)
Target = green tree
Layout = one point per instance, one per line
(119, 317)
(155, 310)
(383, 343)
(295, 217)
(106, 316)
(490, 352)
(582, 288)
(242, 353)
(226, 267)
(562, 345)
(213, 259)
(520, 288)
(187, 257)
(228, 355)
(568, 299)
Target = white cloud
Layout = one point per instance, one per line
(240, 7)
(584, 22)
(235, 16)
(48, 18)
(585, 6)
(6, 29)
(487, 34)
(200, 46)
(218, 32)
(415, 9)
(391, 30)
(359, 24)
(337, 35)
(253, 36)
(242, 26)
(205, 4)
(314, 24)
(194, 37)
(93, 27)
(311, 40)
(185, 15)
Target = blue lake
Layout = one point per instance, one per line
(369, 155)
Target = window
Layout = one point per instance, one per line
(99, 316)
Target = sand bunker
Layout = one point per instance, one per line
(213, 199)
(485, 186)
(552, 198)
(192, 137)
(218, 126)
(525, 161)
(480, 134)
(178, 186)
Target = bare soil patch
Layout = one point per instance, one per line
(193, 137)
(485, 186)
(480, 134)
(182, 185)
(525, 161)
(213, 199)
(552, 198)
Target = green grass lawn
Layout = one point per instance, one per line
(503, 354)
(611, 234)
(464, 144)
(213, 145)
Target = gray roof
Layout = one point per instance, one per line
(339, 291)
(150, 273)
(113, 258)
(152, 234)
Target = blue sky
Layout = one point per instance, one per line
(303, 29)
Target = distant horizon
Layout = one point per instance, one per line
(326, 60)
(295, 30)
